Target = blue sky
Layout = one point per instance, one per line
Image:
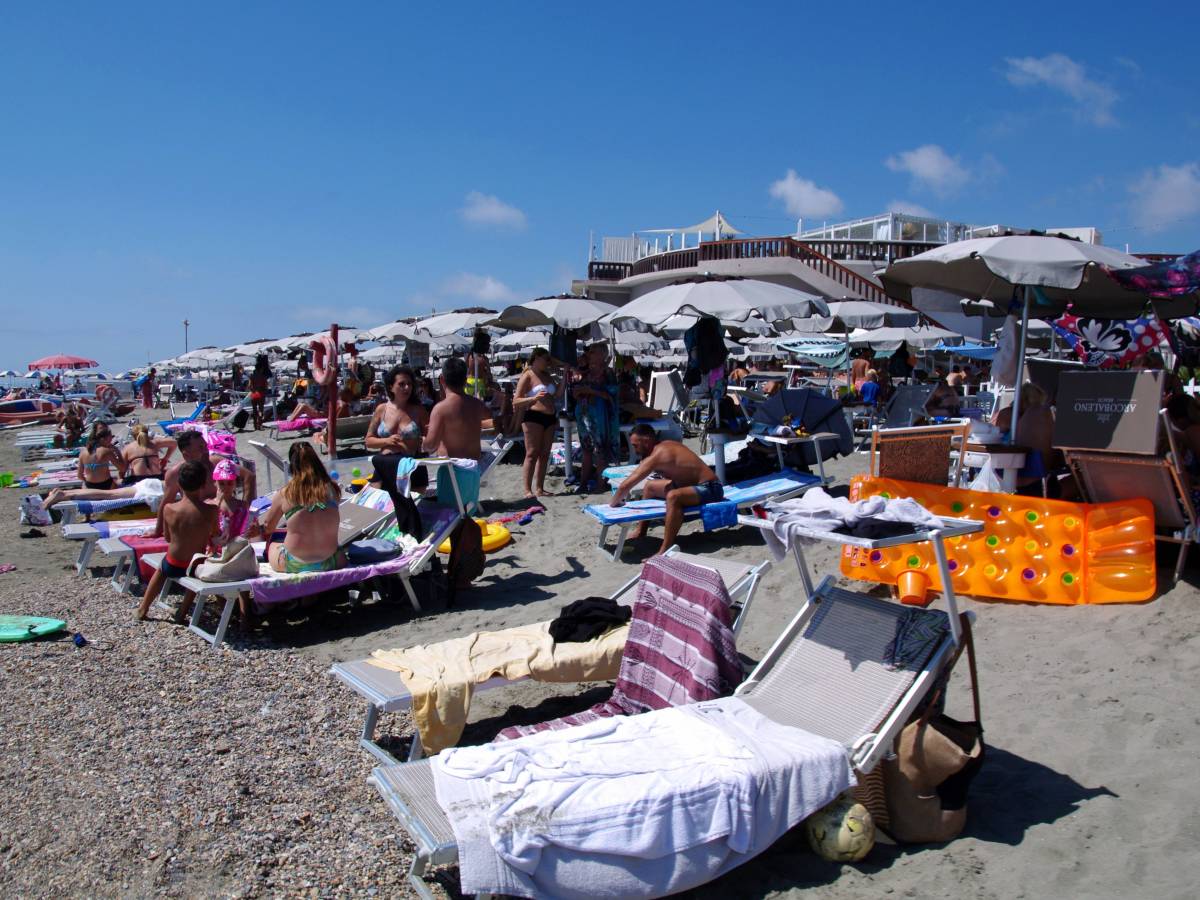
(261, 169)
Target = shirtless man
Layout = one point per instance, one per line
(193, 449)
(189, 524)
(686, 480)
(455, 427)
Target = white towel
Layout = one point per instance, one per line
(607, 808)
(819, 511)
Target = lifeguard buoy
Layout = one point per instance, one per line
(106, 395)
(324, 359)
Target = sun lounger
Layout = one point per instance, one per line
(90, 534)
(273, 588)
(350, 430)
(777, 486)
(614, 475)
(85, 509)
(170, 426)
(384, 689)
(293, 427)
(831, 673)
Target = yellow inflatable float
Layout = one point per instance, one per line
(495, 536)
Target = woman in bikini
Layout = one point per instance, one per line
(533, 405)
(260, 384)
(94, 469)
(143, 457)
(396, 426)
(308, 503)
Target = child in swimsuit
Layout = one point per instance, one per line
(188, 525)
(234, 518)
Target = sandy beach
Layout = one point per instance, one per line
(146, 763)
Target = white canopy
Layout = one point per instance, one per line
(715, 223)
(565, 312)
(452, 323)
(916, 338)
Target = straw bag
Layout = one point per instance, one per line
(236, 562)
(936, 759)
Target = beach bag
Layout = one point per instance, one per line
(33, 512)
(466, 554)
(937, 757)
(236, 562)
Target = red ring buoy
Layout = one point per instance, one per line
(106, 394)
(324, 359)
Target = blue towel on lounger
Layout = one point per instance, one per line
(721, 514)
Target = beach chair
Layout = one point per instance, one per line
(273, 588)
(170, 426)
(350, 431)
(744, 494)
(1107, 475)
(614, 475)
(295, 428)
(920, 453)
(832, 673)
(89, 535)
(906, 403)
(384, 689)
(273, 460)
(85, 509)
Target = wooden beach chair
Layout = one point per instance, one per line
(830, 673)
(921, 453)
(1107, 475)
(384, 689)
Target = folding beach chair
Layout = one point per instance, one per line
(349, 431)
(384, 689)
(907, 403)
(88, 535)
(920, 453)
(834, 672)
(743, 494)
(170, 426)
(1161, 479)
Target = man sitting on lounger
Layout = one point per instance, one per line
(455, 428)
(679, 476)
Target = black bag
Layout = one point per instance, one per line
(240, 418)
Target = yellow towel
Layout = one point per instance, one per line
(442, 677)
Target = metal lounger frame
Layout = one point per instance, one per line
(384, 691)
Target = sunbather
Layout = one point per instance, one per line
(308, 503)
(680, 477)
(189, 524)
(94, 469)
(455, 428)
(143, 455)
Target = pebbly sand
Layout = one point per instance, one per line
(145, 763)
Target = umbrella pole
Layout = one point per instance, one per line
(1016, 405)
(332, 400)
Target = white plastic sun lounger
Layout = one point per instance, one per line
(385, 692)
(828, 673)
(776, 486)
(90, 534)
(444, 520)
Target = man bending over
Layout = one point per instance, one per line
(679, 476)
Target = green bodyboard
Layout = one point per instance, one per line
(26, 628)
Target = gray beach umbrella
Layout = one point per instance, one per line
(563, 311)
(732, 300)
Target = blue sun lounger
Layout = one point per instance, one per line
(166, 424)
(776, 486)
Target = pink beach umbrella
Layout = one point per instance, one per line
(63, 361)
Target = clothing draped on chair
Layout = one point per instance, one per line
(680, 647)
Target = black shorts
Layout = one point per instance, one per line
(106, 485)
(710, 491)
(171, 569)
(533, 417)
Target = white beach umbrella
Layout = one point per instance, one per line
(921, 338)
(563, 311)
(518, 340)
(732, 300)
(452, 323)
(269, 346)
(634, 342)
(394, 331)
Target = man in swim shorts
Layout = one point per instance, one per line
(189, 524)
(673, 473)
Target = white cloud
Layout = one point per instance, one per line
(909, 208)
(1166, 195)
(479, 288)
(489, 211)
(802, 197)
(931, 167)
(1062, 74)
(358, 316)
